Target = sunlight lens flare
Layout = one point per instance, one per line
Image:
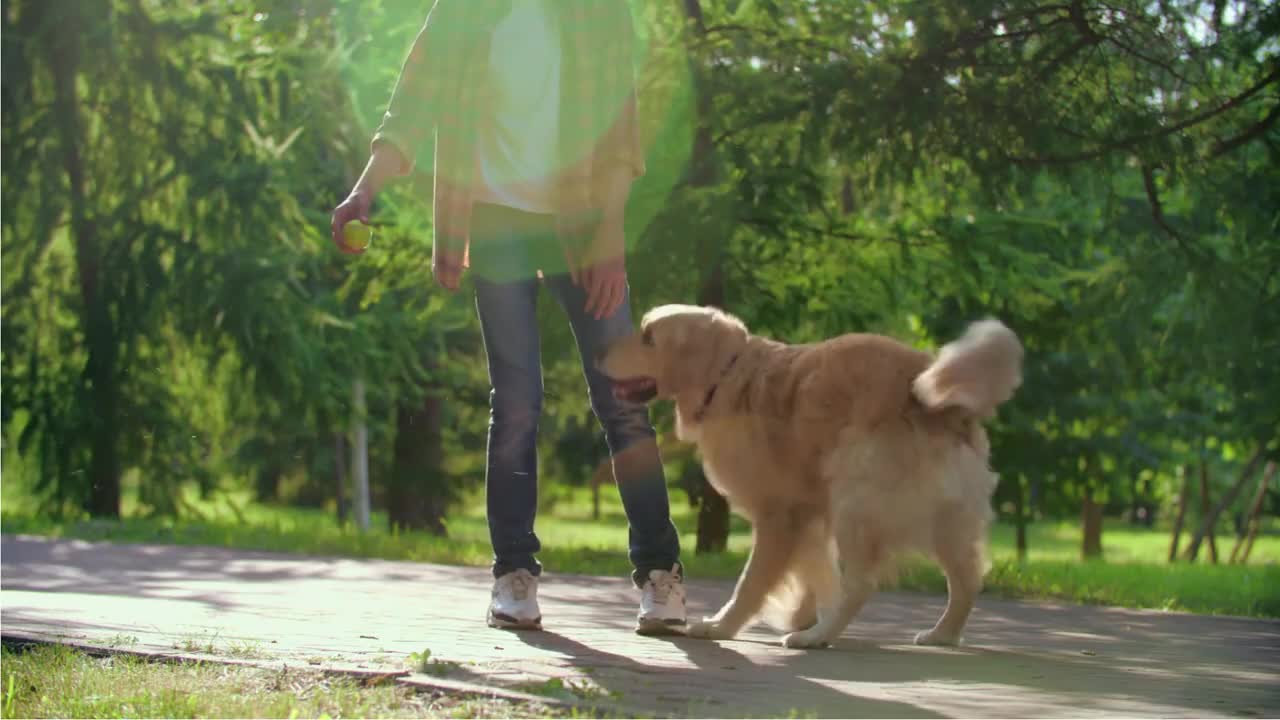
(662, 84)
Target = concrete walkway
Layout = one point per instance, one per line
(1022, 659)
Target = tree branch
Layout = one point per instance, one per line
(1072, 50)
(693, 13)
(1157, 208)
(1076, 11)
(1206, 525)
(1132, 140)
(1156, 62)
(1222, 147)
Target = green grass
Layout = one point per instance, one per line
(1134, 573)
(1122, 543)
(57, 681)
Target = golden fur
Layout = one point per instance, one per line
(842, 454)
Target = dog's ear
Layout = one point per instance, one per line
(730, 333)
(679, 332)
(714, 341)
(727, 320)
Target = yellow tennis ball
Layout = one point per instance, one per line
(356, 236)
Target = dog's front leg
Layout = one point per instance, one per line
(770, 552)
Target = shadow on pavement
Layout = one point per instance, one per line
(683, 692)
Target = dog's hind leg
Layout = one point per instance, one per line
(772, 545)
(964, 565)
(833, 620)
(793, 604)
(859, 563)
(805, 614)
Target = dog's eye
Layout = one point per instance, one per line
(647, 336)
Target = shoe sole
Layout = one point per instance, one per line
(506, 622)
(654, 628)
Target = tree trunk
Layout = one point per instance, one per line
(1141, 510)
(847, 205)
(1204, 509)
(418, 492)
(340, 477)
(1091, 521)
(1208, 522)
(1255, 513)
(267, 485)
(1019, 521)
(100, 372)
(701, 162)
(597, 479)
(713, 520)
(1135, 503)
(360, 455)
(1181, 513)
(713, 509)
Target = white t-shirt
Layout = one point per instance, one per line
(518, 148)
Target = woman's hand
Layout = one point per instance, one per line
(385, 163)
(446, 266)
(603, 272)
(355, 207)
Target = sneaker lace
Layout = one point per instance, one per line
(663, 583)
(518, 584)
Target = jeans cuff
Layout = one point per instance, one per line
(640, 575)
(531, 564)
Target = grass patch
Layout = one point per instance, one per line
(1133, 574)
(423, 662)
(570, 690)
(57, 681)
(122, 640)
(1251, 591)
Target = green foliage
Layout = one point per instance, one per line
(217, 138)
(1103, 177)
(1099, 176)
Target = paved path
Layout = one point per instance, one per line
(1022, 660)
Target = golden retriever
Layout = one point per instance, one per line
(842, 454)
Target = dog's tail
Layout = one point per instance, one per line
(977, 372)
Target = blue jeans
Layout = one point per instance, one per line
(507, 248)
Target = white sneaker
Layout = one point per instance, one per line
(662, 600)
(515, 602)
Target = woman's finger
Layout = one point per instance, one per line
(619, 289)
(595, 291)
(447, 276)
(619, 292)
(604, 297)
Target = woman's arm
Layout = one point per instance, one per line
(406, 124)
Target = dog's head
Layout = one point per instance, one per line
(679, 349)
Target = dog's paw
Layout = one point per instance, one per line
(709, 629)
(933, 637)
(804, 639)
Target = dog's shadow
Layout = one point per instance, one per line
(778, 681)
(725, 683)
(1024, 678)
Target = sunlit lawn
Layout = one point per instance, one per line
(57, 681)
(1133, 574)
